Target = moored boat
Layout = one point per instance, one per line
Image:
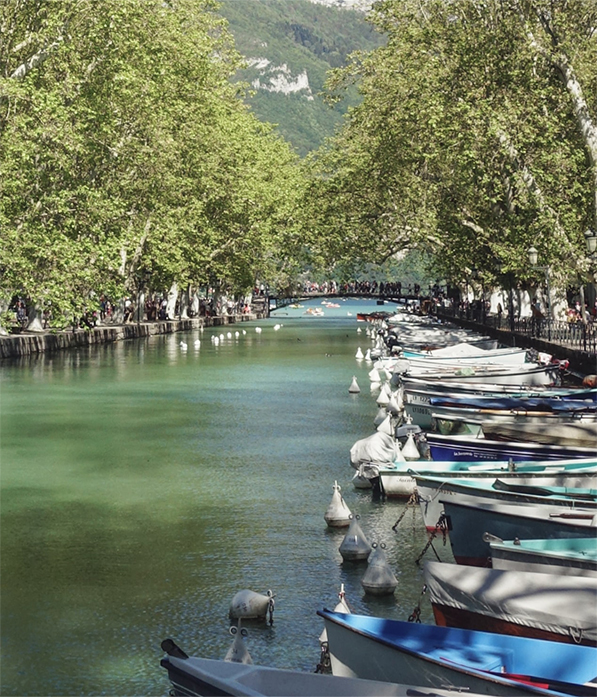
(467, 447)
(523, 603)
(568, 556)
(468, 521)
(436, 657)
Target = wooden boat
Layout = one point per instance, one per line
(468, 521)
(466, 353)
(397, 480)
(434, 657)
(193, 675)
(569, 556)
(522, 603)
(527, 485)
(524, 374)
(478, 447)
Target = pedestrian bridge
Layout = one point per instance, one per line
(276, 302)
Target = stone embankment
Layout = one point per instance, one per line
(28, 343)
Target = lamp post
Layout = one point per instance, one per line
(533, 256)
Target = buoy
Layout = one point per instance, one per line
(229, 335)
(379, 578)
(236, 334)
(238, 652)
(216, 340)
(197, 343)
(386, 426)
(354, 386)
(183, 346)
(394, 405)
(248, 605)
(338, 514)
(258, 330)
(374, 375)
(355, 546)
(342, 606)
(244, 331)
(409, 449)
(276, 327)
(359, 354)
(222, 337)
(399, 455)
(383, 399)
(381, 415)
(368, 355)
(358, 330)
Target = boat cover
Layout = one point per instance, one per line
(573, 435)
(565, 605)
(379, 449)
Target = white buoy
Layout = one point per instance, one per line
(183, 346)
(394, 405)
(386, 426)
(244, 331)
(410, 450)
(374, 375)
(355, 546)
(276, 327)
(380, 416)
(229, 335)
(399, 455)
(222, 337)
(216, 340)
(375, 386)
(247, 604)
(342, 607)
(358, 330)
(359, 354)
(258, 330)
(383, 399)
(238, 652)
(368, 355)
(379, 578)
(354, 386)
(236, 334)
(338, 514)
(197, 343)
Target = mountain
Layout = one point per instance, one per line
(289, 46)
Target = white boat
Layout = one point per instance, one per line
(433, 490)
(536, 605)
(581, 433)
(569, 556)
(530, 374)
(397, 480)
(437, 657)
(465, 352)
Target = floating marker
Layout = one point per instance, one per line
(238, 652)
(368, 355)
(183, 346)
(229, 335)
(381, 415)
(342, 606)
(355, 546)
(386, 426)
(354, 386)
(383, 398)
(379, 578)
(359, 354)
(276, 327)
(410, 450)
(247, 604)
(258, 330)
(197, 343)
(338, 514)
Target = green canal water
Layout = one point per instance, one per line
(143, 486)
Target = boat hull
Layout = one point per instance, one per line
(468, 522)
(569, 557)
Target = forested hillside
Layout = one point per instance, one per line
(289, 46)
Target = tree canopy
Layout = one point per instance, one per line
(476, 139)
(128, 158)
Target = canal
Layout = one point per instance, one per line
(142, 486)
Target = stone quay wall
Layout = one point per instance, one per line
(28, 343)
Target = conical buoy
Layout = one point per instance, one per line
(380, 416)
(399, 455)
(338, 514)
(386, 426)
(238, 652)
(359, 354)
(375, 386)
(410, 450)
(393, 405)
(379, 578)
(355, 546)
(374, 375)
(342, 606)
(248, 605)
(383, 399)
(354, 386)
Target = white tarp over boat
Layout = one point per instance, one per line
(564, 605)
(379, 449)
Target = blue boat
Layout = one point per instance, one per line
(433, 657)
(469, 521)
(467, 448)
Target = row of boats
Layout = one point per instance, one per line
(517, 611)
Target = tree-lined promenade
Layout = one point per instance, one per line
(130, 165)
